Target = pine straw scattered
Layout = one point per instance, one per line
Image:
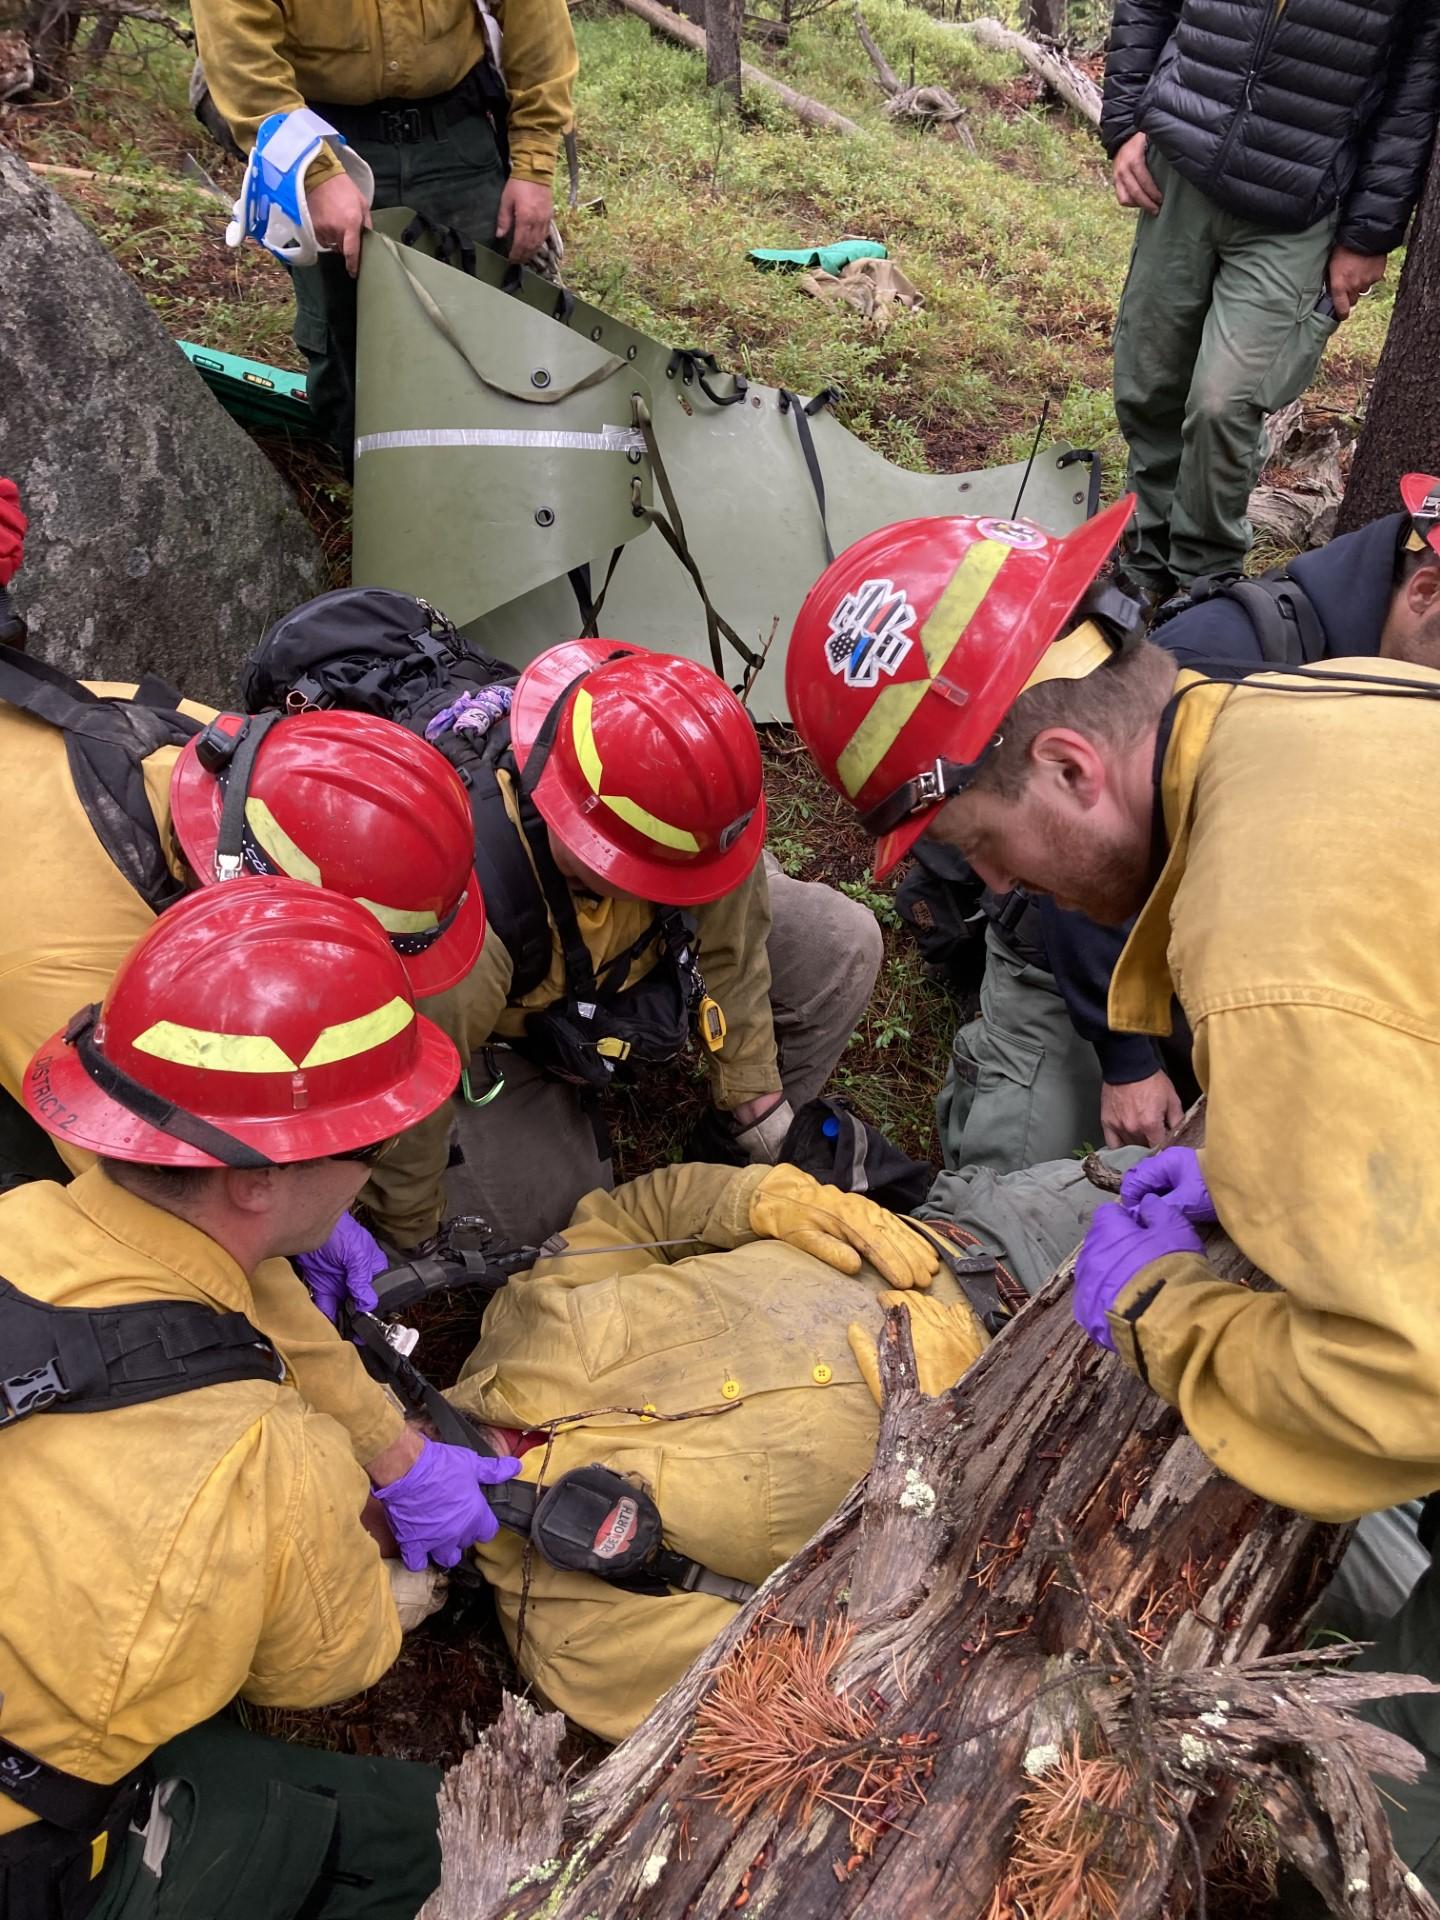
(1065, 1863)
(775, 1731)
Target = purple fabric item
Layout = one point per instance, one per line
(342, 1269)
(1173, 1174)
(436, 1510)
(1121, 1241)
(471, 713)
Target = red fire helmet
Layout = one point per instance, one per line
(651, 770)
(911, 647)
(1421, 494)
(260, 1022)
(347, 801)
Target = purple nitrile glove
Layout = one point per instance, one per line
(1120, 1241)
(437, 1510)
(342, 1269)
(1174, 1175)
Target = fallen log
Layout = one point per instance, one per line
(929, 106)
(1043, 1605)
(1049, 64)
(813, 112)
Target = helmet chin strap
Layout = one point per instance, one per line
(928, 789)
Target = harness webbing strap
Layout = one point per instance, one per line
(235, 780)
(792, 404)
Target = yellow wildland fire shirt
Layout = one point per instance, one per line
(405, 1194)
(71, 917)
(1298, 922)
(744, 1337)
(263, 57)
(161, 1559)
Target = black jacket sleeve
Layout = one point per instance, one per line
(1139, 30)
(1395, 147)
(1082, 958)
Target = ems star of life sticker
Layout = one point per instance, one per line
(1011, 533)
(870, 633)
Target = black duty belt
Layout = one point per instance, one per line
(395, 122)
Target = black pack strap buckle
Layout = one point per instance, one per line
(692, 365)
(26, 1393)
(402, 126)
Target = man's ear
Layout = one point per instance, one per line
(1422, 592)
(1067, 761)
(253, 1189)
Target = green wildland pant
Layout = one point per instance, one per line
(1023, 1085)
(454, 176)
(1410, 1643)
(247, 1828)
(1219, 324)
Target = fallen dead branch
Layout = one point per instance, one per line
(929, 106)
(1058, 71)
(1308, 453)
(813, 112)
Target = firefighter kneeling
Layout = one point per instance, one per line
(193, 1532)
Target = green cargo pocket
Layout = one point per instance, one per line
(250, 1855)
(984, 1109)
(1293, 367)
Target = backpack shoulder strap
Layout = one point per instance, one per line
(514, 903)
(1285, 621)
(107, 743)
(93, 1359)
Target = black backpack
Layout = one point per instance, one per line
(1277, 607)
(390, 654)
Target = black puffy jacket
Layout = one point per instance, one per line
(1281, 110)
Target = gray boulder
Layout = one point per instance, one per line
(160, 538)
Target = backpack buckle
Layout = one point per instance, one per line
(402, 126)
(26, 1393)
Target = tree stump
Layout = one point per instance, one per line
(1033, 1594)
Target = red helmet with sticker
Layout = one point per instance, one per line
(1421, 494)
(347, 801)
(645, 766)
(911, 647)
(255, 1024)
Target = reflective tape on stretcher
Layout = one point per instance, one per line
(607, 440)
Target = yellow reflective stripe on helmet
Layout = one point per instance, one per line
(893, 706)
(1074, 657)
(276, 842)
(349, 1037)
(630, 811)
(258, 1053)
(214, 1052)
(401, 919)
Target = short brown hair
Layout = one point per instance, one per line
(1112, 705)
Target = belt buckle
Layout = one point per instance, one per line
(401, 126)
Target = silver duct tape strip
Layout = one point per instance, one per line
(607, 440)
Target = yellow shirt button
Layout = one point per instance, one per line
(647, 1412)
(820, 1374)
(730, 1389)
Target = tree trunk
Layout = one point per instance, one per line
(1402, 417)
(723, 22)
(1029, 1591)
(813, 112)
(1045, 17)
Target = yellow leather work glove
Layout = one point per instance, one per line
(947, 1340)
(839, 1228)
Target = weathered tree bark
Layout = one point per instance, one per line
(161, 538)
(723, 21)
(501, 1811)
(1402, 415)
(1058, 72)
(1041, 1571)
(813, 112)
